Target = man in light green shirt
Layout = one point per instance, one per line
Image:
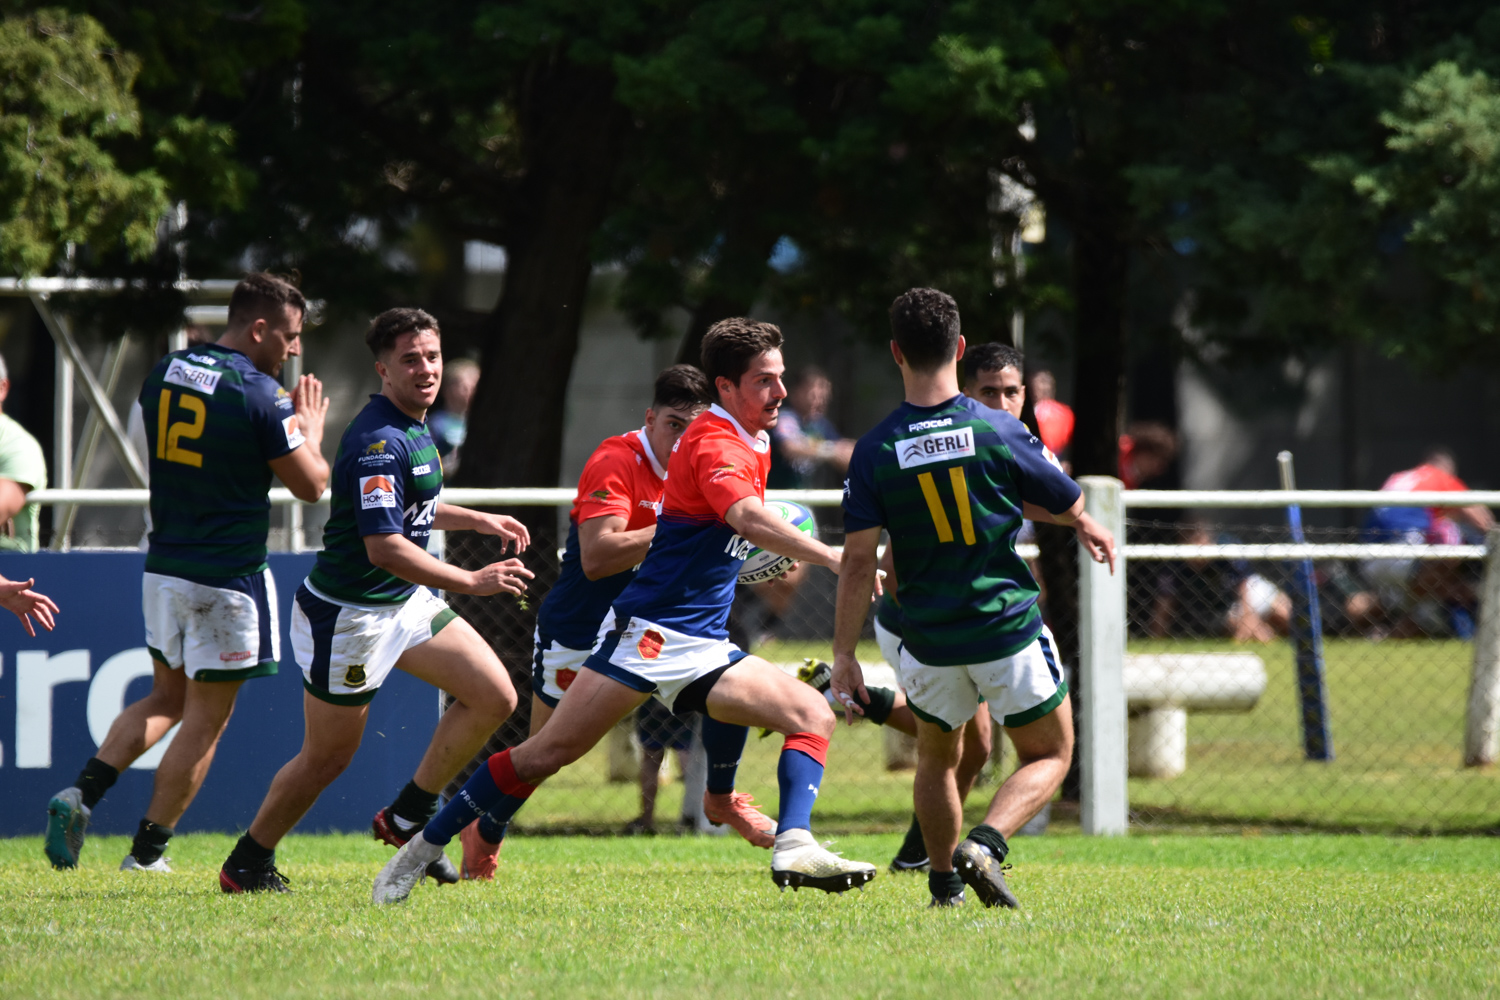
(23, 468)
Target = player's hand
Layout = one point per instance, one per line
(311, 408)
(17, 597)
(508, 528)
(848, 686)
(1096, 540)
(509, 577)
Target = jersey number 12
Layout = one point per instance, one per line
(167, 435)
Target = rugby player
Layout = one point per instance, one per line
(611, 527)
(666, 636)
(218, 426)
(951, 479)
(17, 597)
(365, 609)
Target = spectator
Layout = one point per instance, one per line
(449, 425)
(658, 729)
(1415, 596)
(23, 468)
(1146, 452)
(17, 597)
(1202, 598)
(1053, 419)
(804, 438)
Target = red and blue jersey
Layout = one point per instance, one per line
(687, 580)
(622, 479)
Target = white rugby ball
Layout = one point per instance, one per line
(760, 565)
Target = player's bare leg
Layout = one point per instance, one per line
(1045, 749)
(331, 737)
(540, 713)
(979, 737)
(205, 714)
(143, 723)
(938, 804)
(593, 705)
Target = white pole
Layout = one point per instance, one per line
(1103, 725)
(1482, 728)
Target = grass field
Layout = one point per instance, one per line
(1179, 916)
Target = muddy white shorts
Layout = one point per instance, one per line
(1019, 689)
(657, 660)
(223, 631)
(347, 652)
(553, 667)
(890, 645)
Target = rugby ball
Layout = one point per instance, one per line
(760, 565)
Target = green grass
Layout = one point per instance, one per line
(1396, 710)
(1179, 916)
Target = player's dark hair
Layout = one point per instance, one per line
(924, 324)
(681, 387)
(731, 344)
(261, 296)
(992, 358)
(385, 328)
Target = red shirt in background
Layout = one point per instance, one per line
(1055, 421)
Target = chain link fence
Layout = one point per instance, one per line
(1216, 721)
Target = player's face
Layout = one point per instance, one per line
(756, 401)
(280, 338)
(1001, 390)
(412, 370)
(665, 425)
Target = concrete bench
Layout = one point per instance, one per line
(1162, 688)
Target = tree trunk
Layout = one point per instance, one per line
(575, 135)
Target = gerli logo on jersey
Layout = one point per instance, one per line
(376, 491)
(939, 447)
(179, 372)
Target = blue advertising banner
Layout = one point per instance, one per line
(60, 691)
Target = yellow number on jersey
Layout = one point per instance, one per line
(167, 435)
(960, 485)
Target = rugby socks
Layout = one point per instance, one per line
(914, 846)
(991, 839)
(723, 745)
(799, 773)
(150, 842)
(878, 708)
(492, 829)
(494, 789)
(413, 808)
(249, 854)
(94, 780)
(944, 885)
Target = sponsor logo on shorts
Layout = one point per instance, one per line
(376, 491)
(179, 372)
(942, 446)
(927, 425)
(294, 436)
(354, 676)
(421, 470)
(650, 645)
(565, 679)
(235, 657)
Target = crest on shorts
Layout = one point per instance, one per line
(565, 679)
(650, 645)
(355, 676)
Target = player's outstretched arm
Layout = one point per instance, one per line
(856, 580)
(17, 597)
(447, 517)
(606, 548)
(752, 522)
(1093, 536)
(397, 555)
(303, 469)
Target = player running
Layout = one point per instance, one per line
(365, 609)
(612, 524)
(952, 479)
(218, 425)
(666, 635)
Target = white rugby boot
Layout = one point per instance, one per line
(799, 860)
(402, 873)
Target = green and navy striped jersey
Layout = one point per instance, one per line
(948, 482)
(212, 422)
(386, 480)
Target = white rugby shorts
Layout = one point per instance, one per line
(346, 652)
(657, 660)
(890, 645)
(222, 632)
(553, 667)
(1019, 689)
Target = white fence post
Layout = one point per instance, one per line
(1101, 648)
(1482, 728)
